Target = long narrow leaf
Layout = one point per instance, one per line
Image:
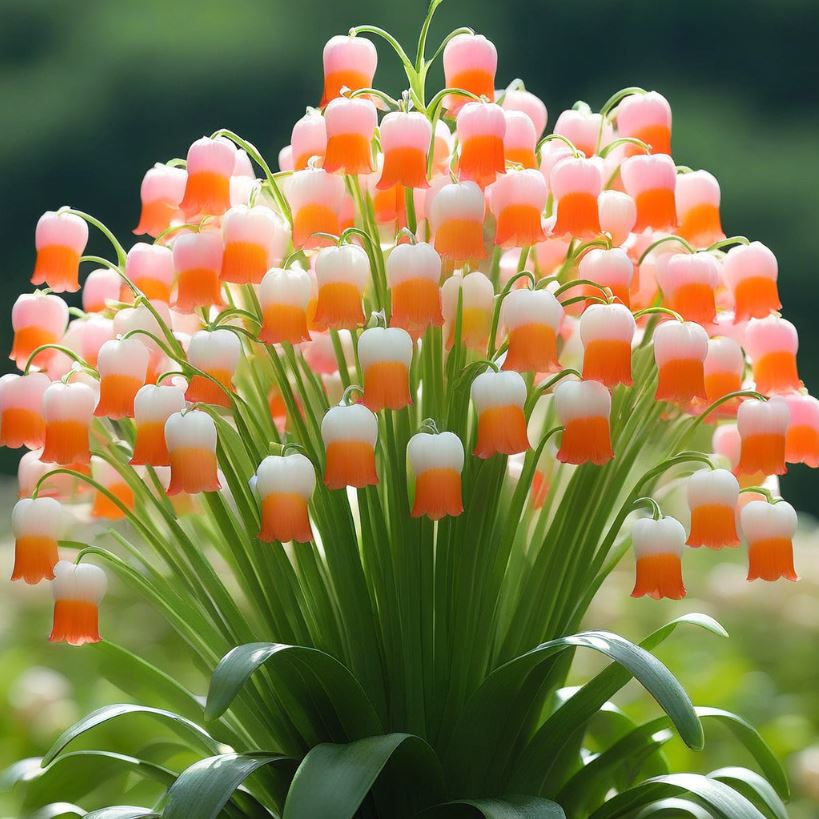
(755, 787)
(511, 807)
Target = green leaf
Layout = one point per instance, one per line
(333, 780)
(203, 789)
(181, 725)
(315, 685)
(122, 812)
(674, 808)
(755, 787)
(510, 807)
(58, 809)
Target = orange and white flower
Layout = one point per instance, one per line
(618, 215)
(470, 63)
(751, 272)
(349, 62)
(316, 199)
(123, 368)
(607, 332)
(651, 181)
(37, 524)
(584, 408)
(210, 165)
(519, 138)
(21, 410)
(763, 426)
(342, 273)
(78, 590)
(216, 353)
(477, 297)
(658, 546)
(679, 351)
(37, 319)
(385, 355)
(608, 268)
(518, 200)
(499, 399)
(723, 369)
(525, 102)
(437, 461)
(60, 239)
(405, 140)
(31, 470)
(771, 344)
(802, 441)
(413, 273)
(456, 220)
(350, 125)
(285, 485)
(480, 128)
(349, 433)
(713, 495)
(532, 319)
(284, 296)
(308, 139)
(162, 190)
(101, 286)
(254, 240)
(141, 318)
(575, 184)
(768, 528)
(153, 405)
(689, 282)
(68, 411)
(197, 261)
(697, 197)
(584, 129)
(109, 478)
(646, 117)
(191, 441)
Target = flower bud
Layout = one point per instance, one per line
(768, 529)
(688, 282)
(499, 399)
(607, 332)
(217, 354)
(480, 127)
(60, 239)
(697, 197)
(617, 212)
(285, 485)
(650, 181)
(191, 441)
(518, 200)
(316, 199)
(470, 62)
(583, 408)
(762, 427)
(162, 190)
(342, 273)
(751, 272)
(349, 434)
(37, 319)
(477, 297)
(68, 410)
(308, 139)
(771, 344)
(456, 219)
(437, 461)
(658, 546)
(713, 495)
(21, 410)
(679, 351)
(349, 62)
(254, 239)
(575, 184)
(207, 189)
(37, 525)
(101, 285)
(153, 405)
(532, 319)
(802, 441)
(413, 273)
(284, 296)
(350, 125)
(197, 260)
(519, 100)
(78, 590)
(405, 140)
(123, 367)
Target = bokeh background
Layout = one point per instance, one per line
(93, 93)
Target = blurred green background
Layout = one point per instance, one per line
(93, 93)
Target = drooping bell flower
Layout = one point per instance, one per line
(697, 197)
(141, 318)
(150, 268)
(284, 296)
(191, 441)
(470, 63)
(101, 285)
(607, 332)
(308, 139)
(38, 319)
(519, 139)
(650, 181)
(583, 408)
(207, 188)
(751, 272)
(342, 273)
(285, 485)
(30, 471)
(525, 102)
(37, 524)
(21, 410)
(802, 440)
(437, 461)
(646, 117)
(385, 355)
(349, 62)
(316, 199)
(532, 319)
(689, 282)
(68, 411)
(405, 140)
(216, 353)
(679, 351)
(480, 127)
(162, 190)
(618, 215)
(95, 331)
(713, 495)
(123, 368)
(610, 268)
(575, 184)
(60, 239)
(109, 478)
(153, 405)
(254, 240)
(658, 546)
(723, 369)
(477, 298)
(518, 200)
(197, 260)
(762, 427)
(768, 529)
(350, 125)
(771, 344)
(499, 400)
(413, 273)
(584, 129)
(349, 433)
(78, 590)
(456, 219)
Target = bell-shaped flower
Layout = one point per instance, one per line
(517, 201)
(651, 180)
(480, 127)
(697, 197)
(646, 117)
(763, 427)
(771, 344)
(197, 261)
(308, 139)
(316, 199)
(78, 590)
(679, 352)
(349, 62)
(751, 272)
(413, 274)
(22, 422)
(532, 319)
(768, 529)
(476, 296)
(689, 282)
(350, 125)
(254, 240)
(519, 139)
(385, 355)
(285, 485)
(191, 441)
(584, 408)
(284, 296)
(153, 405)
(608, 268)
(618, 215)
(216, 353)
(802, 440)
(713, 495)
(68, 410)
(525, 102)
(162, 190)
(499, 400)
(101, 286)
(575, 184)
(405, 140)
(456, 219)
(584, 129)
(37, 524)
(349, 433)
(437, 460)
(658, 546)
(470, 63)
(60, 239)
(607, 332)
(123, 368)
(37, 319)
(103, 507)
(210, 165)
